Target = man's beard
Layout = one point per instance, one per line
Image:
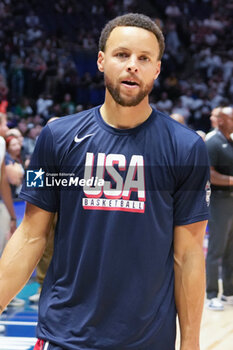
(127, 101)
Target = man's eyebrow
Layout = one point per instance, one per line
(121, 48)
(144, 52)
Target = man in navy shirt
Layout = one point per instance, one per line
(130, 186)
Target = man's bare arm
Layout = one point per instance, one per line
(6, 192)
(23, 251)
(14, 173)
(219, 179)
(189, 281)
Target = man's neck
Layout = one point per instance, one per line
(125, 117)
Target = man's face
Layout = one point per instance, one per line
(130, 64)
(14, 147)
(214, 118)
(226, 119)
(230, 123)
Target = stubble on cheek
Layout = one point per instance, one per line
(114, 91)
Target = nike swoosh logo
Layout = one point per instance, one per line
(77, 139)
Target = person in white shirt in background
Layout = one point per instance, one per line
(7, 212)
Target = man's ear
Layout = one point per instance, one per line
(158, 68)
(100, 61)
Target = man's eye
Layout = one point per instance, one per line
(144, 58)
(121, 54)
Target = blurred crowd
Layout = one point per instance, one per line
(48, 52)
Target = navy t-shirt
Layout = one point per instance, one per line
(118, 194)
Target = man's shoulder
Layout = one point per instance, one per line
(64, 129)
(60, 133)
(67, 123)
(176, 140)
(215, 140)
(178, 132)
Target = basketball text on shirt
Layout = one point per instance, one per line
(107, 197)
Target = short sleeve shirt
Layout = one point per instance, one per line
(118, 193)
(220, 152)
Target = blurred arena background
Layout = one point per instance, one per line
(48, 52)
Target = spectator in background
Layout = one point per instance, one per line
(187, 97)
(43, 104)
(178, 108)
(35, 72)
(172, 39)
(171, 85)
(3, 124)
(220, 248)
(164, 104)
(227, 66)
(17, 133)
(199, 86)
(24, 108)
(3, 95)
(215, 98)
(14, 168)
(32, 20)
(68, 107)
(214, 122)
(13, 146)
(7, 213)
(173, 10)
(51, 74)
(30, 137)
(178, 117)
(17, 78)
(22, 126)
(200, 110)
(34, 33)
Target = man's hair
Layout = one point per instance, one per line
(132, 20)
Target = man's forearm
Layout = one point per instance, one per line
(17, 263)
(219, 179)
(189, 295)
(7, 199)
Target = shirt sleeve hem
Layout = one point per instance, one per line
(191, 220)
(37, 203)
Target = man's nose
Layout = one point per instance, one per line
(132, 65)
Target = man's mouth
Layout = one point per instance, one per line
(130, 83)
